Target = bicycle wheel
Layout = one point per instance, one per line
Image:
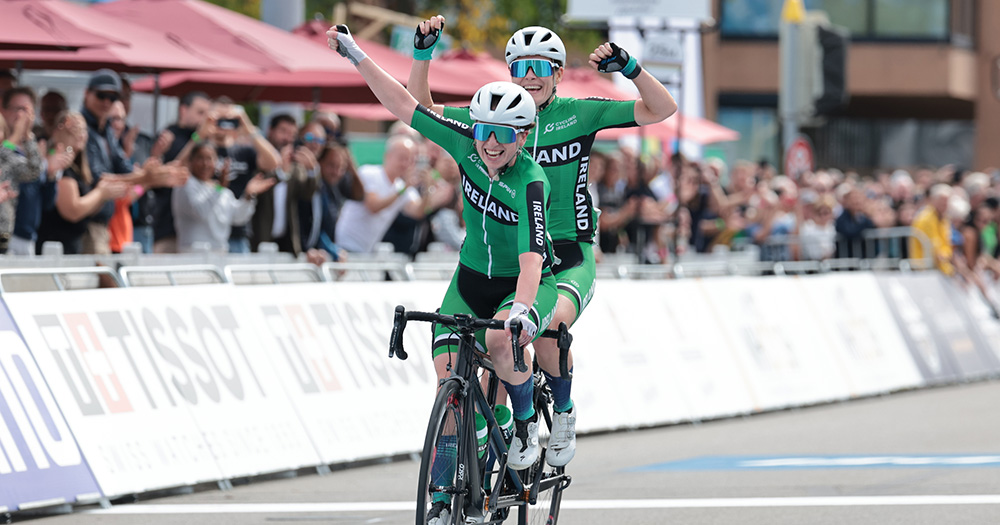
(439, 463)
(545, 511)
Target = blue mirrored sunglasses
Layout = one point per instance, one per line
(542, 68)
(504, 134)
(311, 137)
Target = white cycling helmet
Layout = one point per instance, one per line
(503, 103)
(536, 41)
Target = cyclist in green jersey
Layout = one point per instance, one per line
(505, 263)
(560, 142)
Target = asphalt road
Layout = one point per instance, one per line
(914, 458)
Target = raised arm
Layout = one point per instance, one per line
(390, 92)
(425, 39)
(655, 103)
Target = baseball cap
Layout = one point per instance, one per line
(105, 80)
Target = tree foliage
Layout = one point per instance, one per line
(482, 25)
(475, 24)
(250, 8)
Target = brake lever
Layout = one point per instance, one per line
(396, 339)
(515, 336)
(563, 341)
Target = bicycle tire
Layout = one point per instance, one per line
(446, 420)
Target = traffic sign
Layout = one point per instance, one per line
(799, 157)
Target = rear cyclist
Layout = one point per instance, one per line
(504, 267)
(560, 142)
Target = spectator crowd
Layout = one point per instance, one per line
(209, 182)
(212, 182)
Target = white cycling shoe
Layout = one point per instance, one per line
(439, 514)
(562, 442)
(524, 449)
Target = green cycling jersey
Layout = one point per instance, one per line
(504, 217)
(560, 143)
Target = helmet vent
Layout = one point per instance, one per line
(495, 101)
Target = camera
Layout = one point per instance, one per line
(228, 124)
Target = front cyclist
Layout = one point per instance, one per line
(504, 266)
(560, 142)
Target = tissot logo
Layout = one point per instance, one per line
(491, 207)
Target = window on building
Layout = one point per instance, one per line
(930, 20)
(759, 133)
(911, 19)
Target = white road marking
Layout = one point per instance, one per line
(690, 503)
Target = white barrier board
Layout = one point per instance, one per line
(166, 387)
(645, 355)
(162, 386)
(774, 341)
(855, 320)
(328, 345)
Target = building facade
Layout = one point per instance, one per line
(923, 78)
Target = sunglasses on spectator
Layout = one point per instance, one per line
(542, 68)
(503, 134)
(313, 138)
(108, 96)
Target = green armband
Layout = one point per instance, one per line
(10, 145)
(195, 137)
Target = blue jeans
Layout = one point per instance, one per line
(144, 236)
(239, 245)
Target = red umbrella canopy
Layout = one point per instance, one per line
(205, 26)
(305, 86)
(578, 82)
(338, 82)
(147, 49)
(471, 70)
(449, 84)
(35, 25)
(695, 129)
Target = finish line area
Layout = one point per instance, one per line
(918, 457)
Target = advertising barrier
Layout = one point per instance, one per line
(329, 348)
(40, 461)
(945, 342)
(775, 341)
(162, 387)
(122, 391)
(855, 320)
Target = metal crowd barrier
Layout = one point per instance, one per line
(172, 275)
(58, 279)
(244, 274)
(882, 249)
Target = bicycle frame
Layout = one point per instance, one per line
(465, 368)
(464, 372)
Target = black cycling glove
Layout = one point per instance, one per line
(620, 61)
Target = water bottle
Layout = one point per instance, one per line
(481, 435)
(505, 420)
